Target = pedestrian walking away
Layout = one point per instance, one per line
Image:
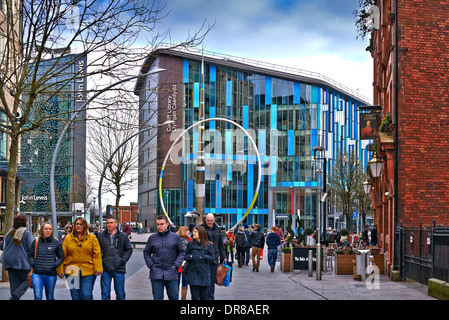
(199, 256)
(15, 246)
(240, 239)
(374, 235)
(82, 261)
(115, 253)
(45, 256)
(214, 235)
(273, 241)
(163, 254)
(257, 244)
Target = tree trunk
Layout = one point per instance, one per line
(11, 182)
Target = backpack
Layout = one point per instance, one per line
(239, 239)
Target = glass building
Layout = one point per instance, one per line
(286, 111)
(66, 94)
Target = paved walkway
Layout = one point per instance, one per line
(264, 285)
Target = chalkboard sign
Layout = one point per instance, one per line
(301, 258)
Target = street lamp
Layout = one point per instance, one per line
(367, 184)
(318, 245)
(375, 165)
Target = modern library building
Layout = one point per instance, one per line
(286, 111)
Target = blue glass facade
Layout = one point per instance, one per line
(286, 114)
(286, 118)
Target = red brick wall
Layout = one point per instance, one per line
(423, 111)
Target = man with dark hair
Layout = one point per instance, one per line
(257, 244)
(164, 254)
(115, 252)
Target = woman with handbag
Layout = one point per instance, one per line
(82, 261)
(15, 248)
(199, 254)
(45, 256)
(183, 232)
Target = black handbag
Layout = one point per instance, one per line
(185, 267)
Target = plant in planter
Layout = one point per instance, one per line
(309, 232)
(286, 259)
(387, 124)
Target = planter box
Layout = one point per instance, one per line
(286, 262)
(344, 264)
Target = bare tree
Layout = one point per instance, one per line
(345, 180)
(33, 31)
(110, 131)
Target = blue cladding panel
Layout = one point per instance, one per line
(268, 90)
(228, 93)
(296, 97)
(250, 182)
(212, 73)
(186, 71)
(195, 142)
(218, 194)
(212, 115)
(245, 117)
(274, 119)
(262, 141)
(196, 94)
(291, 142)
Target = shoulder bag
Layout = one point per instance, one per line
(30, 275)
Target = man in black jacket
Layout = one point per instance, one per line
(115, 252)
(214, 235)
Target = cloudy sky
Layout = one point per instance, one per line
(313, 35)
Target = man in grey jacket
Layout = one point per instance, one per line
(164, 254)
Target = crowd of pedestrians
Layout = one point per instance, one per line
(188, 258)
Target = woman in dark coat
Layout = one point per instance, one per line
(49, 256)
(199, 254)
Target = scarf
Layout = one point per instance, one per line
(18, 234)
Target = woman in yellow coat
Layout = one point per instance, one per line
(82, 261)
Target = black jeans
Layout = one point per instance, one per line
(18, 283)
(213, 279)
(240, 256)
(199, 292)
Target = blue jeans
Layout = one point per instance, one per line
(272, 257)
(39, 282)
(81, 287)
(119, 285)
(158, 289)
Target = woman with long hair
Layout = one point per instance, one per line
(45, 258)
(183, 233)
(199, 254)
(82, 261)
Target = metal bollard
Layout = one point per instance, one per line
(363, 266)
(310, 263)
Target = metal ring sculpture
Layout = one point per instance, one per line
(258, 160)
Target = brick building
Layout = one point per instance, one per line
(411, 62)
(128, 213)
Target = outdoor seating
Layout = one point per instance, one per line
(328, 257)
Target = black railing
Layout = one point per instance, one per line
(423, 252)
